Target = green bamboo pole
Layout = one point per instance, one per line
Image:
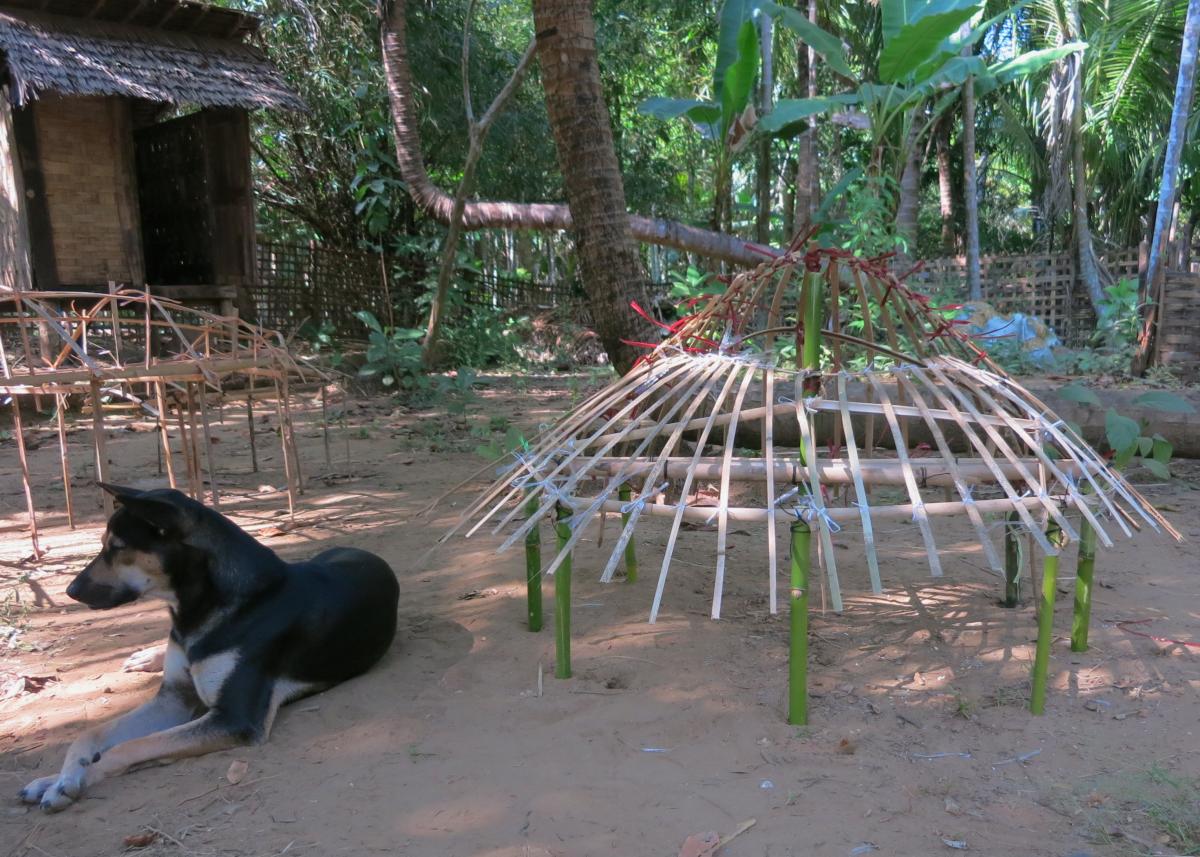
(1041, 661)
(631, 568)
(562, 599)
(1082, 618)
(809, 350)
(1012, 560)
(798, 614)
(533, 570)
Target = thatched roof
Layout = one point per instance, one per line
(54, 53)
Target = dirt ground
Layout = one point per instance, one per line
(920, 742)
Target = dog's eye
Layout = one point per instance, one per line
(115, 544)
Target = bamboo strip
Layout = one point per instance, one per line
(964, 490)
(1131, 495)
(552, 442)
(1035, 447)
(931, 473)
(860, 491)
(919, 516)
(997, 472)
(1030, 480)
(819, 511)
(60, 402)
(840, 514)
(699, 392)
(681, 507)
(723, 497)
(869, 408)
(680, 370)
(706, 379)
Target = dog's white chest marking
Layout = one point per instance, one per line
(210, 674)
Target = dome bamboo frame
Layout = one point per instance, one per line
(842, 347)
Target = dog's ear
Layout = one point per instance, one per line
(119, 491)
(166, 509)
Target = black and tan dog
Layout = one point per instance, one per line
(249, 632)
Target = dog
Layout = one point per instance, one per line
(249, 633)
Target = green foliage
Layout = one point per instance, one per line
(1126, 439)
(1120, 316)
(693, 284)
(393, 354)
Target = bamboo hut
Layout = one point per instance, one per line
(125, 147)
(808, 380)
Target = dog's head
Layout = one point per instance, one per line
(143, 541)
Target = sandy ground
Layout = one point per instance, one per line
(447, 748)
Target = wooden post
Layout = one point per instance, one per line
(19, 434)
(60, 408)
(798, 614)
(208, 453)
(533, 571)
(100, 443)
(250, 423)
(160, 397)
(1081, 620)
(288, 468)
(325, 424)
(1041, 660)
(193, 442)
(562, 598)
(1012, 560)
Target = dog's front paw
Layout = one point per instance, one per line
(146, 660)
(63, 791)
(33, 792)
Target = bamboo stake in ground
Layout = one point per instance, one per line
(1012, 560)
(798, 615)
(533, 571)
(625, 493)
(1081, 620)
(562, 598)
(1041, 660)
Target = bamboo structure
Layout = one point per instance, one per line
(93, 347)
(797, 393)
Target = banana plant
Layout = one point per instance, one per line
(726, 117)
(920, 69)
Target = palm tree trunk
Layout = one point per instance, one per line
(764, 184)
(971, 192)
(438, 204)
(1089, 268)
(806, 167)
(1185, 86)
(612, 271)
(909, 196)
(945, 185)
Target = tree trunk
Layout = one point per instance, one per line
(608, 257)
(1089, 268)
(764, 185)
(971, 192)
(806, 168)
(945, 186)
(1185, 84)
(909, 198)
(437, 204)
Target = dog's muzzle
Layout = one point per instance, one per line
(99, 596)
